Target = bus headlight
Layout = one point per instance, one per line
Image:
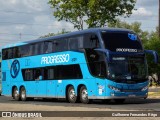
(114, 88)
(145, 88)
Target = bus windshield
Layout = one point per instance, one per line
(116, 41)
(127, 68)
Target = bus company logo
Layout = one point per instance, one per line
(15, 67)
(55, 59)
(132, 36)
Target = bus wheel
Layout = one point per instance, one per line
(16, 94)
(23, 94)
(84, 95)
(71, 95)
(119, 101)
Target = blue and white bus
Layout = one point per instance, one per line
(98, 63)
(0, 74)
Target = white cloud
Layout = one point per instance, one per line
(142, 12)
(35, 4)
(20, 27)
(12, 1)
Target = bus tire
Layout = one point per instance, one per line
(16, 94)
(23, 94)
(71, 95)
(119, 101)
(84, 95)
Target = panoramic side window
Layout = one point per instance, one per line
(48, 47)
(96, 63)
(38, 48)
(49, 73)
(68, 72)
(91, 41)
(5, 54)
(24, 50)
(37, 73)
(60, 45)
(10, 53)
(16, 53)
(73, 43)
(28, 74)
(32, 49)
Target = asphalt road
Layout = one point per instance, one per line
(130, 104)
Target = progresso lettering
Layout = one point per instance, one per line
(55, 59)
(125, 50)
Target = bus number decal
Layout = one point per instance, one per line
(55, 59)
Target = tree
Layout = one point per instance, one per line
(153, 44)
(53, 34)
(95, 13)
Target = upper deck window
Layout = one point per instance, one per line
(91, 41)
(114, 40)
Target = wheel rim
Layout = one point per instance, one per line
(23, 94)
(72, 94)
(15, 93)
(84, 94)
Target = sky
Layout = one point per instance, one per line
(23, 20)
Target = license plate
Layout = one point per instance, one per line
(131, 95)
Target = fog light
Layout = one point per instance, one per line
(112, 94)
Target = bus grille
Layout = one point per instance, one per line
(130, 90)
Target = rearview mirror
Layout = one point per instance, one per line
(154, 53)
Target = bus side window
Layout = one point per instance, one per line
(60, 45)
(32, 49)
(5, 54)
(91, 41)
(27, 74)
(38, 48)
(10, 53)
(16, 53)
(48, 47)
(73, 43)
(24, 51)
(37, 73)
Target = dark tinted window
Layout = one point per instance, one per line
(91, 41)
(48, 47)
(28, 74)
(53, 73)
(76, 42)
(114, 40)
(16, 52)
(96, 63)
(10, 53)
(49, 73)
(60, 45)
(24, 50)
(69, 72)
(32, 49)
(5, 54)
(37, 73)
(38, 48)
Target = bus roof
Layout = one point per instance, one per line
(67, 35)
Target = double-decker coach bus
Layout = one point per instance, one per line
(98, 63)
(0, 75)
